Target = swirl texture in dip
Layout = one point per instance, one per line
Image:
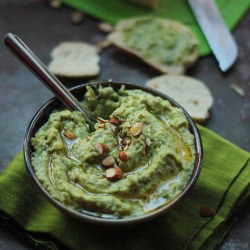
(139, 158)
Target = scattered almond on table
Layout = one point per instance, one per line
(206, 212)
(237, 89)
(105, 27)
(76, 17)
(55, 4)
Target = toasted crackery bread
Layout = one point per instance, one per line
(75, 59)
(166, 45)
(191, 93)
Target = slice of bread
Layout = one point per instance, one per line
(186, 51)
(74, 59)
(191, 93)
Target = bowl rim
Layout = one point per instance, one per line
(27, 150)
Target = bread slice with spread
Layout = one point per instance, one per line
(166, 45)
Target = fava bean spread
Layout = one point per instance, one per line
(139, 157)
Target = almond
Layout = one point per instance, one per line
(123, 157)
(101, 120)
(69, 135)
(108, 161)
(55, 4)
(206, 212)
(136, 129)
(123, 142)
(76, 17)
(128, 141)
(114, 174)
(98, 148)
(102, 125)
(148, 141)
(113, 128)
(114, 120)
(104, 148)
(105, 27)
(101, 148)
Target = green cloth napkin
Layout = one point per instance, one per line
(223, 186)
(114, 10)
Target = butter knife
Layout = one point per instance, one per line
(217, 34)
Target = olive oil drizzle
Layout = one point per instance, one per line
(183, 147)
(154, 201)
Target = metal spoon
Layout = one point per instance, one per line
(28, 58)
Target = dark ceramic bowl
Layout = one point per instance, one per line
(42, 116)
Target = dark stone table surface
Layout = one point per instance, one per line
(21, 94)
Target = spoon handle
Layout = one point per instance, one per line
(28, 58)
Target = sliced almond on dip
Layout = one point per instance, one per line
(69, 135)
(125, 142)
(101, 148)
(128, 141)
(148, 141)
(101, 120)
(102, 125)
(136, 128)
(108, 161)
(123, 156)
(114, 174)
(114, 120)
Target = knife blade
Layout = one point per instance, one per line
(217, 34)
